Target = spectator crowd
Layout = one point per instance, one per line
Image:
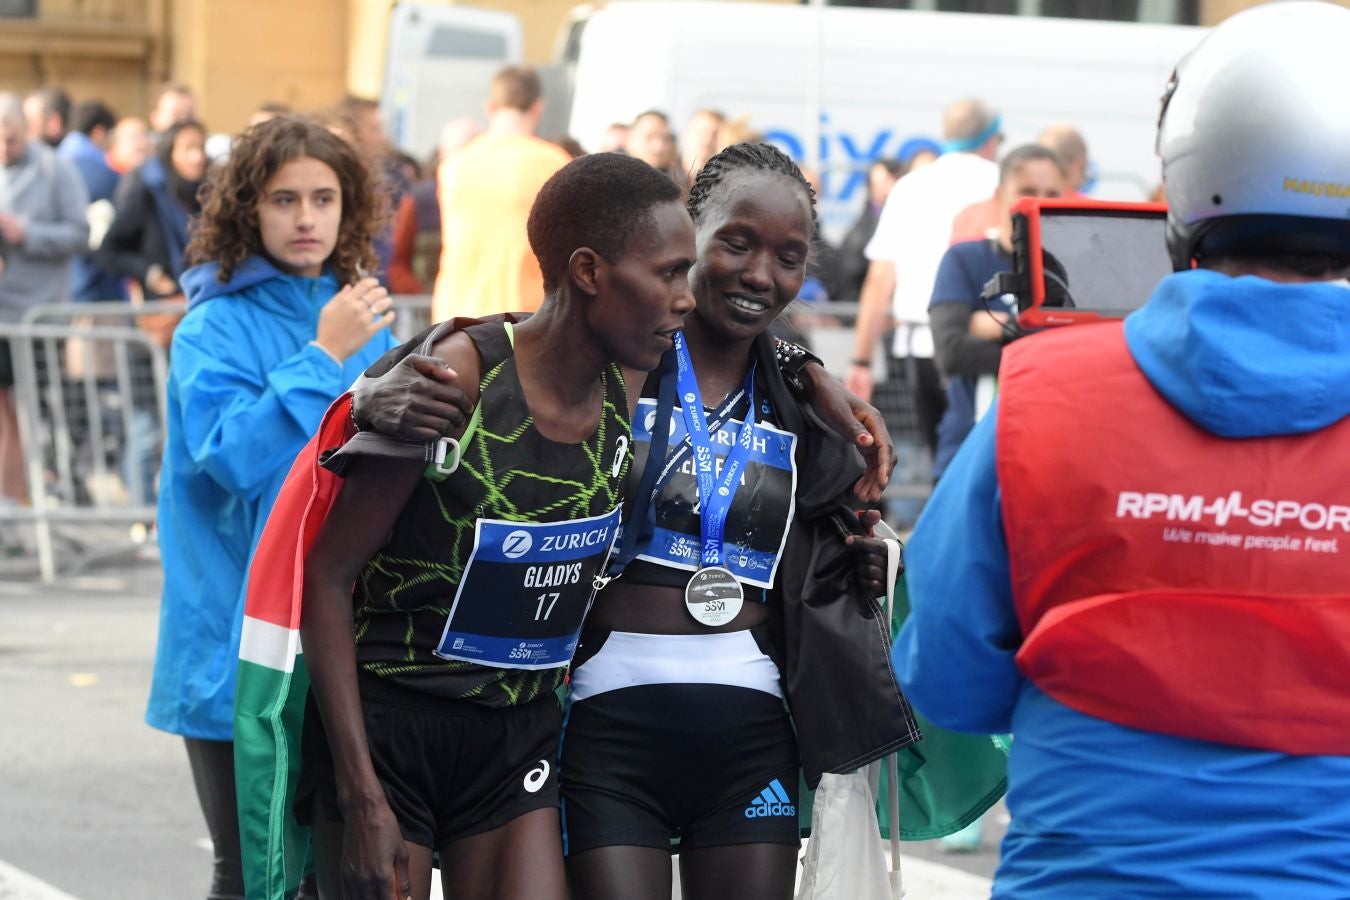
(99, 207)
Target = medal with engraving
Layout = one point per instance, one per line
(713, 591)
(525, 591)
(714, 596)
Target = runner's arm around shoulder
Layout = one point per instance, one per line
(420, 398)
(856, 421)
(372, 495)
(955, 655)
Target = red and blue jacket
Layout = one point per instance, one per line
(1137, 565)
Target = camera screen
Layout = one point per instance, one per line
(1108, 264)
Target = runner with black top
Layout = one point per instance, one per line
(678, 737)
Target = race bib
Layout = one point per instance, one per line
(761, 511)
(526, 590)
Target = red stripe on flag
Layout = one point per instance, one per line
(276, 577)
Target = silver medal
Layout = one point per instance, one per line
(714, 596)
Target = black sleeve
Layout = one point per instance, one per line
(849, 270)
(123, 251)
(958, 352)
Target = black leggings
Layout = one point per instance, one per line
(212, 765)
(213, 773)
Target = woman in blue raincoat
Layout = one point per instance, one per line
(280, 321)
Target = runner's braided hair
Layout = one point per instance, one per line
(752, 157)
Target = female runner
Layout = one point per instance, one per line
(435, 675)
(677, 731)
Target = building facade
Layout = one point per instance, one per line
(238, 54)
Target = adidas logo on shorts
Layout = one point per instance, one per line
(772, 801)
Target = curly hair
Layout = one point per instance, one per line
(227, 232)
(601, 201)
(748, 157)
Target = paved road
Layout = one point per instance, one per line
(95, 805)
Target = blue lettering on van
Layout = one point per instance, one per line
(858, 150)
(786, 141)
(857, 178)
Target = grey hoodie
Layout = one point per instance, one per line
(47, 193)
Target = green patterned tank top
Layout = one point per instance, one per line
(508, 473)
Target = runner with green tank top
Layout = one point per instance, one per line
(442, 603)
(507, 472)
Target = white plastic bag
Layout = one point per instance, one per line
(845, 858)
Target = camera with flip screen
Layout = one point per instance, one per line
(1078, 260)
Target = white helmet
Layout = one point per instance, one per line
(1255, 136)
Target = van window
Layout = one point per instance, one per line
(571, 48)
(461, 43)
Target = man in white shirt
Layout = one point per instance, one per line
(912, 234)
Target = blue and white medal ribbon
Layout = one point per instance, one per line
(713, 595)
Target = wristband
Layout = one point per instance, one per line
(792, 361)
(865, 363)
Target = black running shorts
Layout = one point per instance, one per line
(450, 769)
(679, 767)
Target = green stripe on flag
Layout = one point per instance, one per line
(947, 779)
(269, 714)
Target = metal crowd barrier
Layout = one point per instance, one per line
(414, 315)
(89, 397)
(828, 329)
(89, 394)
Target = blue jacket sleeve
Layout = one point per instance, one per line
(954, 655)
(244, 422)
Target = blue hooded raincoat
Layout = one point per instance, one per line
(246, 392)
(1098, 809)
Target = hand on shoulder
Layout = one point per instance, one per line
(422, 397)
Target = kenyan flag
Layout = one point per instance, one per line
(273, 684)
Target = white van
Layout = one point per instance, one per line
(439, 62)
(879, 77)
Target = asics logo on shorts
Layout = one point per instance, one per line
(535, 778)
(772, 801)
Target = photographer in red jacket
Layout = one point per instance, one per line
(1138, 562)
